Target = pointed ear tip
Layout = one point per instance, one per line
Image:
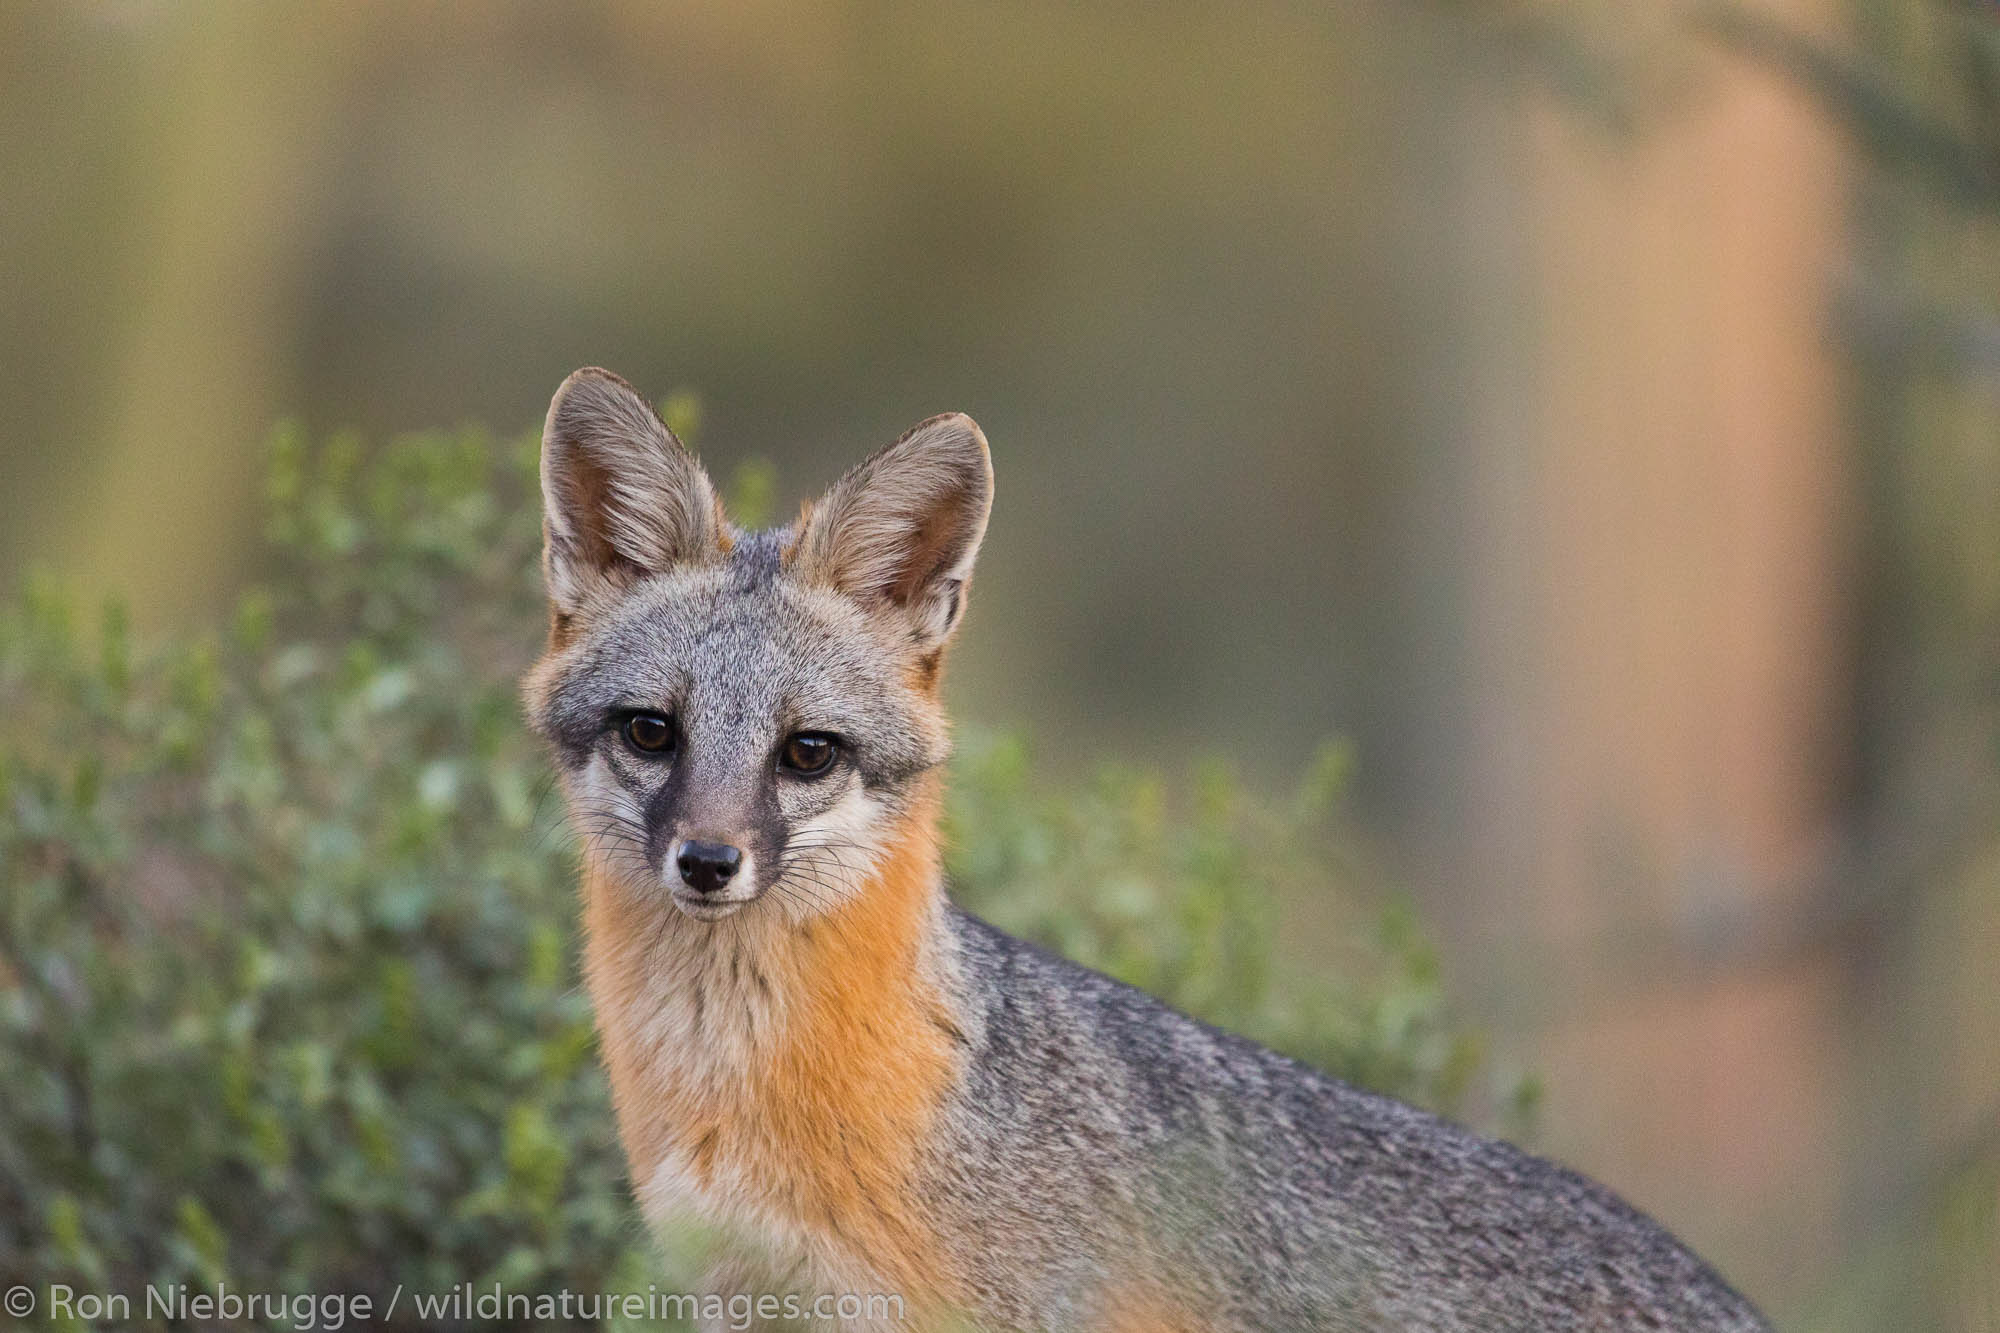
(592, 392)
(961, 422)
(589, 377)
(956, 432)
(985, 450)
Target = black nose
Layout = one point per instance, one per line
(707, 866)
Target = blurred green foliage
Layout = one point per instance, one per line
(288, 988)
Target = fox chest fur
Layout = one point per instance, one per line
(781, 1085)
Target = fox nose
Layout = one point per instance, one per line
(707, 866)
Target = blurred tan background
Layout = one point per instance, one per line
(1593, 409)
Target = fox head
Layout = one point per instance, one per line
(744, 716)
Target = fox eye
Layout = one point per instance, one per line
(808, 753)
(650, 733)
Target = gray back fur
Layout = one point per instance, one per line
(1133, 1139)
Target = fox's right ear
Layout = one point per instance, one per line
(621, 497)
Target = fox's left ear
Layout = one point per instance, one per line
(900, 531)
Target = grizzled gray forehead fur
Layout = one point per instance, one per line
(743, 655)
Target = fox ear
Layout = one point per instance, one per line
(901, 530)
(621, 497)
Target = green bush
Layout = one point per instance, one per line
(288, 990)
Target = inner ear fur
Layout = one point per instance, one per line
(901, 530)
(621, 497)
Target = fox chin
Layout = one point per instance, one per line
(860, 1087)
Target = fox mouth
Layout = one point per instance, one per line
(706, 907)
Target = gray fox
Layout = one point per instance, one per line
(815, 1054)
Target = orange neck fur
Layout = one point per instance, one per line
(819, 1122)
